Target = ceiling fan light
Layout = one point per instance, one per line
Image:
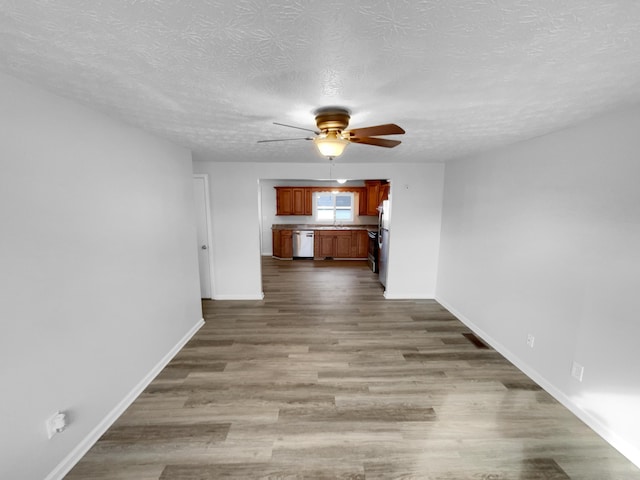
(341, 180)
(330, 145)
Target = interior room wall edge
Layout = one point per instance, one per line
(624, 447)
(83, 447)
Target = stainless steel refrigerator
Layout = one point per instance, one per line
(383, 241)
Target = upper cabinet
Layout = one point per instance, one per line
(373, 196)
(293, 201)
(302, 201)
(375, 192)
(384, 191)
(284, 201)
(299, 200)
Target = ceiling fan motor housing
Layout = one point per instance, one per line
(332, 118)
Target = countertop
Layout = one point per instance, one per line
(294, 226)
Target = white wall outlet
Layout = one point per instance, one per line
(530, 340)
(577, 371)
(56, 424)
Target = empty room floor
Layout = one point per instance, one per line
(324, 378)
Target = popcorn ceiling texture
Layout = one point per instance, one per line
(459, 76)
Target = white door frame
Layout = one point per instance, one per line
(207, 209)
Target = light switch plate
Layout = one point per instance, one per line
(577, 371)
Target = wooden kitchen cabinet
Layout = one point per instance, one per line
(286, 240)
(282, 243)
(324, 245)
(341, 244)
(308, 201)
(376, 192)
(359, 244)
(362, 201)
(373, 196)
(284, 201)
(297, 201)
(301, 198)
(384, 191)
(294, 201)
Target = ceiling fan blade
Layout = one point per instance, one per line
(386, 129)
(378, 142)
(284, 139)
(299, 128)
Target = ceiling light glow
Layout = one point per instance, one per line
(331, 144)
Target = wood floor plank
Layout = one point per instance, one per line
(326, 379)
(265, 471)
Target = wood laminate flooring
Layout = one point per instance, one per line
(324, 378)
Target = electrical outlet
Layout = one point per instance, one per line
(577, 371)
(56, 424)
(530, 340)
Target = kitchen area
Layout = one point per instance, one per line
(327, 220)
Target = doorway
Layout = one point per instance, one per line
(203, 232)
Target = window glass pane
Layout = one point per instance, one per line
(343, 200)
(330, 207)
(324, 200)
(343, 214)
(324, 215)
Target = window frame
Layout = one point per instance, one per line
(334, 208)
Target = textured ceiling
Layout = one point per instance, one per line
(458, 76)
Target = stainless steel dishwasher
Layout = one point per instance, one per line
(303, 243)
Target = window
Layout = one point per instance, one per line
(334, 206)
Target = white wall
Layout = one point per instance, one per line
(98, 271)
(416, 194)
(268, 209)
(543, 237)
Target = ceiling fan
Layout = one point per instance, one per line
(331, 137)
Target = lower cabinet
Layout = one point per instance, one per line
(282, 243)
(324, 245)
(287, 244)
(327, 243)
(360, 242)
(341, 244)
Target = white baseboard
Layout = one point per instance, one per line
(631, 452)
(406, 296)
(83, 447)
(260, 296)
